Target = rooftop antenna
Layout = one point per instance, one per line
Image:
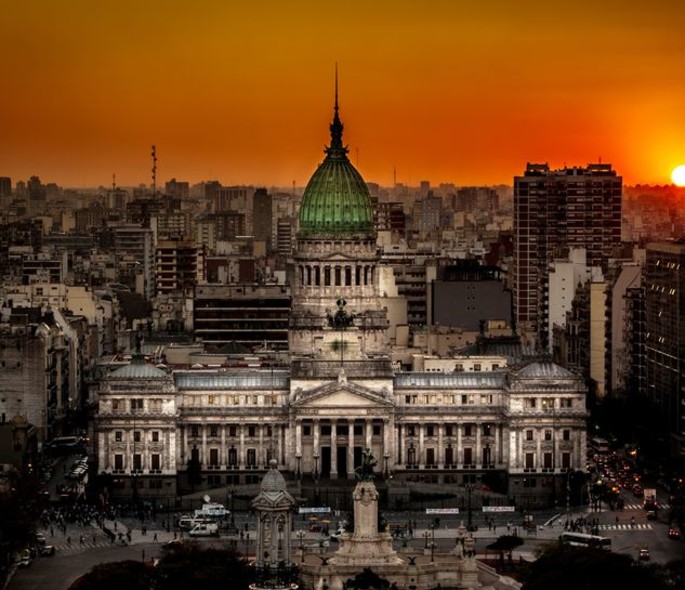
(154, 171)
(394, 175)
(114, 181)
(336, 87)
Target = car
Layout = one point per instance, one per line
(674, 533)
(638, 490)
(651, 514)
(644, 554)
(47, 550)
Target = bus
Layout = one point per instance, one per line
(585, 540)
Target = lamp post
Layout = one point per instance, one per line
(298, 472)
(300, 536)
(231, 494)
(316, 466)
(469, 522)
(386, 456)
(432, 543)
(426, 535)
(247, 546)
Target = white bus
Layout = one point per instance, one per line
(585, 540)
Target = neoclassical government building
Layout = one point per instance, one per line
(519, 429)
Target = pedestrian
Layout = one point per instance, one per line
(52, 531)
(69, 541)
(80, 540)
(154, 538)
(617, 521)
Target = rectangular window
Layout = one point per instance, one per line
(566, 435)
(233, 431)
(251, 457)
(566, 460)
(529, 461)
(430, 456)
(214, 457)
(232, 457)
(547, 460)
(411, 430)
(214, 431)
(468, 456)
(251, 431)
(306, 430)
(119, 462)
(155, 436)
(136, 404)
(118, 435)
(448, 430)
(155, 461)
(376, 429)
(548, 435)
(136, 436)
(468, 429)
(529, 435)
(137, 462)
(487, 429)
(194, 431)
(430, 430)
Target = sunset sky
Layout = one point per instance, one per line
(242, 92)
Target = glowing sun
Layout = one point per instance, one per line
(678, 175)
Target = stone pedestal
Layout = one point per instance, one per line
(365, 546)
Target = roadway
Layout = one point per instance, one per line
(89, 546)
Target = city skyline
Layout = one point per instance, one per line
(442, 92)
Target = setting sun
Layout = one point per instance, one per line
(678, 175)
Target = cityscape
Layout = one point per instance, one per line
(402, 362)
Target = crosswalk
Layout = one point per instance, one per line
(640, 507)
(76, 546)
(626, 527)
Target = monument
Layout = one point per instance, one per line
(366, 558)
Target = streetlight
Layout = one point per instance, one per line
(469, 522)
(433, 543)
(298, 472)
(300, 536)
(386, 456)
(231, 494)
(426, 535)
(316, 466)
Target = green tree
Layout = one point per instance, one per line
(131, 575)
(563, 567)
(188, 565)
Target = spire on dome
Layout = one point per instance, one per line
(336, 149)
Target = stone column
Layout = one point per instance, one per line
(203, 447)
(459, 451)
(223, 455)
(350, 448)
(478, 458)
(420, 455)
(334, 449)
(441, 452)
(368, 431)
(241, 446)
(260, 447)
(316, 444)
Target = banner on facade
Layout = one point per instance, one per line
(442, 510)
(314, 510)
(499, 508)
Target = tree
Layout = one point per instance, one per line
(563, 567)
(131, 575)
(188, 565)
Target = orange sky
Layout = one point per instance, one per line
(241, 92)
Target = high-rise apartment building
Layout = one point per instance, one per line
(555, 210)
(665, 337)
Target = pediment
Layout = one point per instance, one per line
(342, 395)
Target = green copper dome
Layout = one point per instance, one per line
(336, 201)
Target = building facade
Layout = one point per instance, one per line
(555, 210)
(521, 429)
